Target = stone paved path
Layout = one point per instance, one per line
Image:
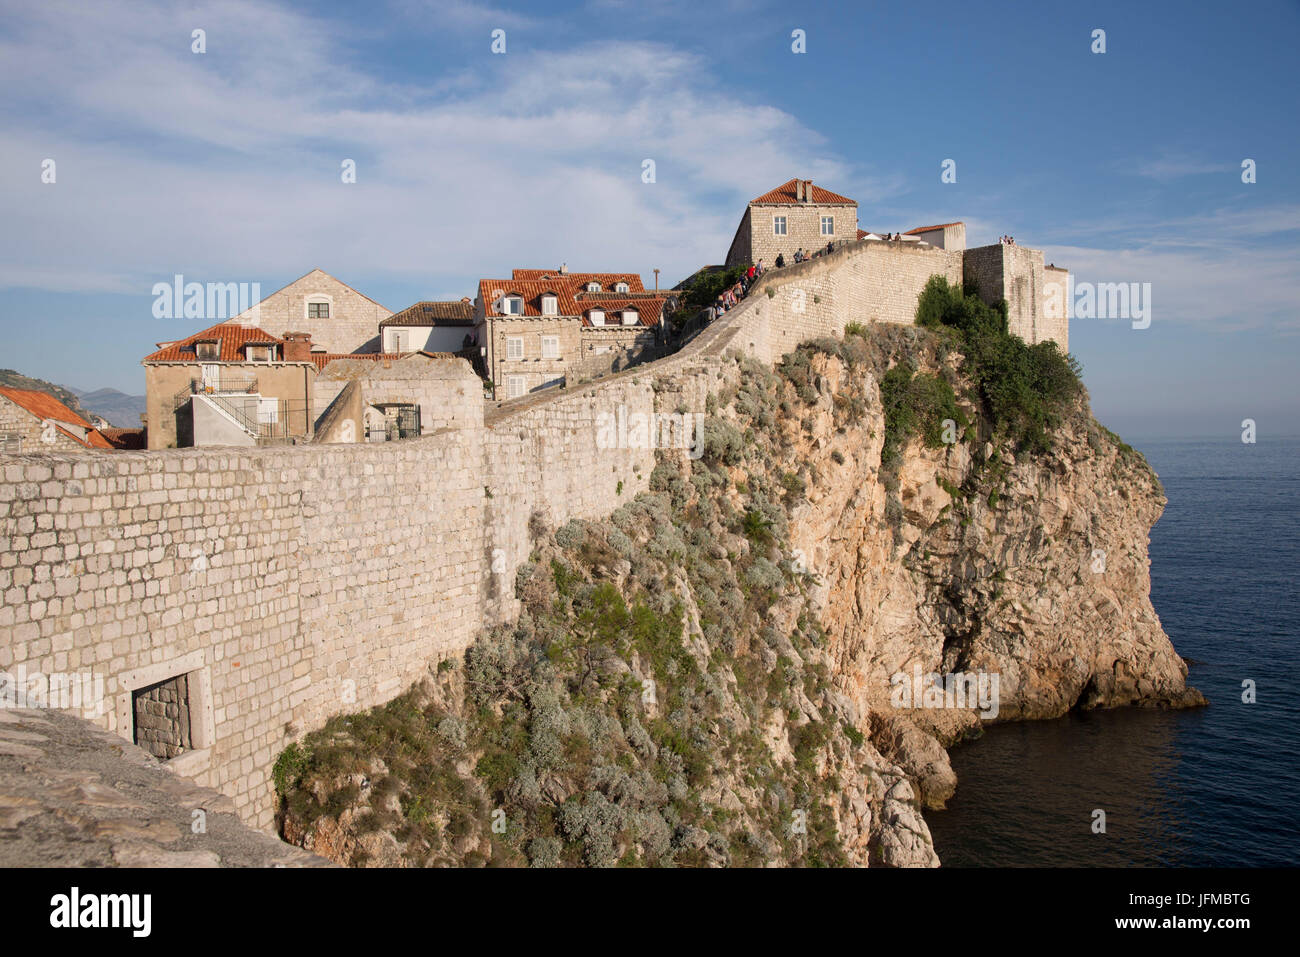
(73, 795)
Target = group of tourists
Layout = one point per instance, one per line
(731, 296)
(1008, 240)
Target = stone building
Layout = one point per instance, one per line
(379, 399)
(339, 319)
(541, 328)
(795, 215)
(429, 327)
(32, 421)
(230, 384)
(945, 235)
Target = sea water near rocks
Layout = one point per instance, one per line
(1217, 786)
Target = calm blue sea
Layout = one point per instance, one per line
(1218, 786)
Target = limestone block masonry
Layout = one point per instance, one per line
(289, 584)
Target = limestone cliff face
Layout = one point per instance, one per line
(772, 592)
(1032, 569)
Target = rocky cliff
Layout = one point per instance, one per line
(735, 668)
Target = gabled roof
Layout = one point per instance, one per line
(929, 229)
(458, 313)
(312, 272)
(784, 195)
(232, 337)
(45, 406)
(649, 310)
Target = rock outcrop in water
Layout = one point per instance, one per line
(709, 676)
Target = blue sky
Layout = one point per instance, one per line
(1123, 166)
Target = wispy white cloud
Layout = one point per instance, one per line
(1176, 166)
(228, 163)
(1229, 288)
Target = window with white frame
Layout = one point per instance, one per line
(318, 310)
(550, 305)
(828, 225)
(515, 386)
(512, 305)
(515, 347)
(620, 287)
(550, 347)
(597, 317)
(778, 226)
(631, 317)
(593, 287)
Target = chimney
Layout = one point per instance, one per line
(564, 268)
(798, 191)
(807, 191)
(297, 346)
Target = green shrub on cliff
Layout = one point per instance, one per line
(915, 403)
(1024, 391)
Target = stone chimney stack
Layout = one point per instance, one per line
(807, 191)
(798, 191)
(564, 268)
(297, 346)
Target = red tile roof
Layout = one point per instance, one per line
(567, 288)
(45, 406)
(784, 195)
(322, 359)
(928, 229)
(491, 290)
(232, 335)
(124, 438)
(606, 279)
(459, 313)
(649, 309)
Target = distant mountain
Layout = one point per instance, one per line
(69, 397)
(120, 409)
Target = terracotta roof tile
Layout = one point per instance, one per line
(45, 406)
(567, 288)
(322, 359)
(124, 438)
(649, 310)
(784, 195)
(492, 290)
(458, 313)
(928, 229)
(606, 279)
(232, 336)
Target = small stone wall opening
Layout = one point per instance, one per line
(162, 717)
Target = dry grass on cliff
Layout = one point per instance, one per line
(647, 708)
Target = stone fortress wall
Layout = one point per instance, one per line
(290, 584)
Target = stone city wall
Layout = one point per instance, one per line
(289, 584)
